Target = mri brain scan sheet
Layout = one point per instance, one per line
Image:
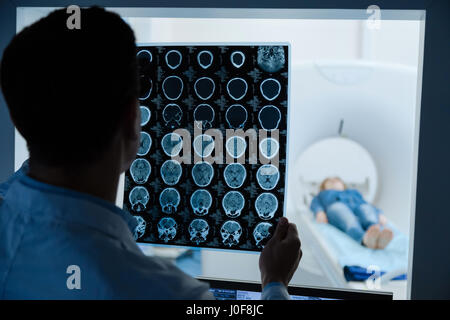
(173, 59)
(198, 230)
(140, 170)
(169, 200)
(204, 116)
(145, 144)
(140, 228)
(172, 143)
(190, 187)
(145, 115)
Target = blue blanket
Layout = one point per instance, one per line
(355, 273)
(358, 258)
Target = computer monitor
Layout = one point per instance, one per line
(356, 86)
(240, 290)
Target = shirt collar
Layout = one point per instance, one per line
(73, 206)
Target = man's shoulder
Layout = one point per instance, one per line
(137, 276)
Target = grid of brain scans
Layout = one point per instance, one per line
(210, 169)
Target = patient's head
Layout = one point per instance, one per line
(72, 93)
(334, 183)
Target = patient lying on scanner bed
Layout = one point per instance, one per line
(347, 210)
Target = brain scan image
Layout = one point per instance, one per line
(203, 145)
(236, 146)
(198, 230)
(237, 88)
(146, 87)
(172, 144)
(145, 144)
(169, 199)
(266, 205)
(234, 175)
(204, 116)
(172, 115)
(233, 202)
(271, 58)
(261, 233)
(269, 117)
(202, 173)
(139, 231)
(204, 87)
(173, 59)
(268, 176)
(269, 147)
(145, 59)
(210, 171)
(140, 170)
(237, 59)
(138, 198)
(231, 232)
(270, 89)
(201, 201)
(236, 116)
(172, 87)
(167, 229)
(145, 115)
(171, 172)
(205, 59)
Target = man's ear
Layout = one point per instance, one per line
(132, 121)
(131, 133)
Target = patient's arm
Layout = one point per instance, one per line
(321, 217)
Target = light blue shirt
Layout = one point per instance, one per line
(45, 229)
(351, 197)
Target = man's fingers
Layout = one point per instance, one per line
(282, 228)
(292, 237)
(300, 254)
(291, 231)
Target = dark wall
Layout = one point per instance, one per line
(431, 264)
(7, 31)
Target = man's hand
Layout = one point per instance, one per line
(281, 255)
(321, 217)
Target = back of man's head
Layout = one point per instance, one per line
(67, 89)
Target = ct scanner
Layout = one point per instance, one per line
(334, 157)
(344, 158)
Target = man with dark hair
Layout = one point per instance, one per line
(72, 94)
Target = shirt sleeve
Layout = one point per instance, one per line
(275, 291)
(316, 206)
(4, 186)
